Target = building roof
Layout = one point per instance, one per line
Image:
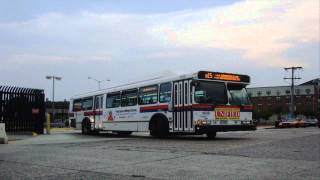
(315, 81)
(306, 88)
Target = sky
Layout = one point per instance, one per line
(125, 40)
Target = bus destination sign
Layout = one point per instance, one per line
(223, 76)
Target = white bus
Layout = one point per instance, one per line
(200, 103)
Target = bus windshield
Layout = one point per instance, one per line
(238, 95)
(208, 92)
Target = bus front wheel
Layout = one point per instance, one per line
(211, 135)
(124, 133)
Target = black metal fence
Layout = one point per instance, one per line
(22, 109)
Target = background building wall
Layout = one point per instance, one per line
(275, 100)
(61, 111)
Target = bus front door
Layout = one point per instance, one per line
(182, 111)
(97, 112)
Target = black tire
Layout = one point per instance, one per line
(153, 128)
(153, 133)
(163, 128)
(159, 128)
(86, 127)
(211, 135)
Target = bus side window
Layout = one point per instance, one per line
(129, 97)
(165, 92)
(98, 102)
(87, 103)
(113, 100)
(101, 101)
(76, 105)
(191, 93)
(148, 95)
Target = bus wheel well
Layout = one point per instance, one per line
(86, 126)
(154, 118)
(159, 126)
(84, 120)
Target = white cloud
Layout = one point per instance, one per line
(52, 59)
(262, 31)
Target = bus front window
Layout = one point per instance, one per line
(207, 92)
(238, 95)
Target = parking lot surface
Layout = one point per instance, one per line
(263, 154)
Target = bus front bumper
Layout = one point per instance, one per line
(224, 128)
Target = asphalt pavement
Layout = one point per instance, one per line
(263, 154)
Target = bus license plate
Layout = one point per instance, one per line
(223, 122)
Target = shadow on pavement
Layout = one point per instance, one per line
(170, 137)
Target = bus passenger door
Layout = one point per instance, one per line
(98, 111)
(182, 111)
(187, 105)
(175, 106)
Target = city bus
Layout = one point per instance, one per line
(199, 103)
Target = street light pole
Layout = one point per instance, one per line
(53, 111)
(52, 103)
(98, 81)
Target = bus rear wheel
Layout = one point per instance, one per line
(86, 126)
(159, 127)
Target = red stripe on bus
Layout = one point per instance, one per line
(204, 106)
(157, 107)
(227, 106)
(92, 113)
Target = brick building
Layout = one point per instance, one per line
(61, 111)
(276, 99)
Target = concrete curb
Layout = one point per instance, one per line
(3, 135)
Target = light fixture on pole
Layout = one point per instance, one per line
(52, 103)
(98, 81)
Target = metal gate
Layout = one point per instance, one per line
(22, 109)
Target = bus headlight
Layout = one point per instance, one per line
(246, 122)
(201, 122)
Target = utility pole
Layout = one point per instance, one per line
(292, 78)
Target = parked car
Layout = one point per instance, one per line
(299, 123)
(292, 123)
(285, 124)
(312, 122)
